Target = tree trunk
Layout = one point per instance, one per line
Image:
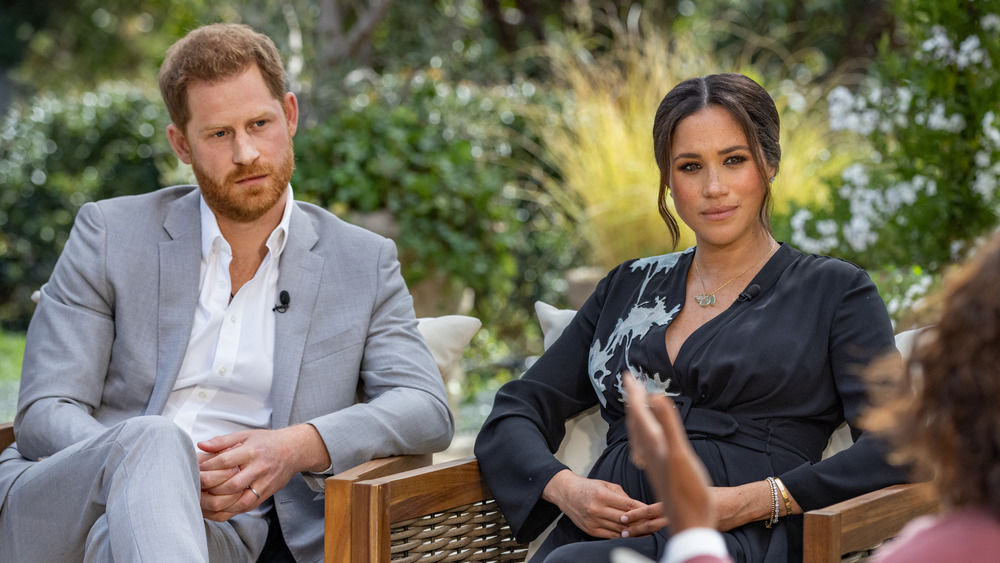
(335, 42)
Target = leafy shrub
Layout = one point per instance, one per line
(57, 153)
(440, 158)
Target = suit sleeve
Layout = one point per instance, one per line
(860, 331)
(403, 408)
(68, 345)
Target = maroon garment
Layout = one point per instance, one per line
(971, 534)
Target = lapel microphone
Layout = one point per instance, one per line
(747, 295)
(285, 299)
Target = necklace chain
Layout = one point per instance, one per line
(707, 299)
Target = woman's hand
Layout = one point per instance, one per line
(659, 444)
(595, 506)
(644, 521)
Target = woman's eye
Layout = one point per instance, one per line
(689, 167)
(736, 160)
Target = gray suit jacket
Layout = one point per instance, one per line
(110, 331)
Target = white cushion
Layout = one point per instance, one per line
(585, 432)
(553, 321)
(447, 336)
(841, 438)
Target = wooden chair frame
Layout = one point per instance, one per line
(383, 506)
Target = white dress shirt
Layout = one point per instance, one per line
(695, 542)
(224, 384)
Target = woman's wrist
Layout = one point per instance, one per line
(554, 489)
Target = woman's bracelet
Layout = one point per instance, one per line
(774, 505)
(784, 495)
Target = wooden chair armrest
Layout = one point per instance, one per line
(338, 501)
(864, 521)
(6, 434)
(378, 503)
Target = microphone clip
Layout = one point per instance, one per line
(284, 300)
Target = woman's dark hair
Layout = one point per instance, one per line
(940, 409)
(747, 102)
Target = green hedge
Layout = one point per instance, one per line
(56, 154)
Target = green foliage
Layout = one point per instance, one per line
(11, 355)
(57, 154)
(437, 156)
(928, 116)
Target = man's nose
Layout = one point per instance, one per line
(245, 150)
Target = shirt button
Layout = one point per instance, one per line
(232, 319)
(222, 370)
(202, 395)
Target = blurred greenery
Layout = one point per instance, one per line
(473, 124)
(11, 352)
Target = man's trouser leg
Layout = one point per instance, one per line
(132, 492)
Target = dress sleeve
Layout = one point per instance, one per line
(528, 422)
(860, 332)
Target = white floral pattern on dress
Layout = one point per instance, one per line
(642, 317)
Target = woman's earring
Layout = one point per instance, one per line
(772, 179)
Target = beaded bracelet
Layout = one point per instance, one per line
(784, 495)
(774, 505)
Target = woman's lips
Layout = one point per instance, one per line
(719, 213)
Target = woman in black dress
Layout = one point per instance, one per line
(760, 346)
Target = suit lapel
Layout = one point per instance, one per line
(180, 268)
(299, 273)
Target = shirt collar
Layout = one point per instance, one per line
(211, 236)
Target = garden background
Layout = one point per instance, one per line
(505, 144)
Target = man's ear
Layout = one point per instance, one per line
(179, 143)
(291, 106)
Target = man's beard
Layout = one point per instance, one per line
(246, 204)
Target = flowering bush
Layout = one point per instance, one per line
(926, 186)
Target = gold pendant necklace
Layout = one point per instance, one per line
(707, 299)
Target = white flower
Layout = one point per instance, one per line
(855, 175)
(938, 120)
(800, 218)
(990, 22)
(969, 52)
(840, 104)
(858, 233)
(985, 183)
(990, 130)
(903, 98)
(939, 45)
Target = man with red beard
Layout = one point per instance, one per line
(203, 356)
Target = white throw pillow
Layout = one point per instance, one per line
(586, 432)
(447, 336)
(553, 321)
(841, 439)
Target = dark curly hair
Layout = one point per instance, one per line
(942, 413)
